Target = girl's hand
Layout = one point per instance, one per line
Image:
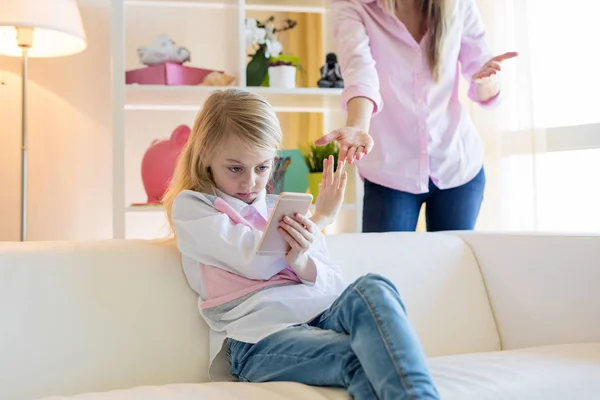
(493, 65)
(354, 142)
(300, 233)
(331, 193)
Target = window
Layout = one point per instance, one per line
(566, 101)
(564, 60)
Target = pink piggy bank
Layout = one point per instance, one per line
(158, 164)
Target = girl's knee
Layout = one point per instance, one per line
(378, 289)
(375, 281)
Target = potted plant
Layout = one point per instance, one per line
(314, 156)
(261, 36)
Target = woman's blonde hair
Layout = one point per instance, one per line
(226, 114)
(435, 21)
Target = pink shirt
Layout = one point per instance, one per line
(419, 127)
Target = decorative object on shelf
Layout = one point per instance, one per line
(331, 74)
(163, 50)
(296, 175)
(218, 79)
(37, 28)
(282, 71)
(167, 74)
(164, 61)
(159, 161)
(314, 156)
(282, 75)
(262, 37)
(277, 181)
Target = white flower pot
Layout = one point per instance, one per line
(282, 76)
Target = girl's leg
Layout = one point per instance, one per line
(302, 354)
(456, 208)
(371, 312)
(389, 210)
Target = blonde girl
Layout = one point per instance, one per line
(281, 318)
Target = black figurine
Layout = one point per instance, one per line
(331, 75)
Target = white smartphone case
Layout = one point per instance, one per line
(287, 204)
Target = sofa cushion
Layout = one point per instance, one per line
(543, 288)
(548, 373)
(93, 316)
(217, 391)
(439, 280)
(543, 373)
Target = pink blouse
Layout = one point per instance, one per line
(420, 129)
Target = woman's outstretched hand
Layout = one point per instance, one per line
(354, 142)
(493, 66)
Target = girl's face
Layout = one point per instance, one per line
(241, 173)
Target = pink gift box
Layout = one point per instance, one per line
(167, 74)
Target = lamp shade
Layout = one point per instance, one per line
(57, 27)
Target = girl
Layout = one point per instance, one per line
(281, 318)
(401, 60)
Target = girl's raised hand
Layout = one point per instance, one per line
(331, 192)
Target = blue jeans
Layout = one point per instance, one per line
(390, 210)
(363, 342)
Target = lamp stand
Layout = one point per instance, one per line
(25, 41)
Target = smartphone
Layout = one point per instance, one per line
(288, 204)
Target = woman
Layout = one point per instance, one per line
(401, 61)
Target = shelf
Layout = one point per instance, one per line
(190, 98)
(159, 209)
(180, 3)
(149, 208)
(307, 6)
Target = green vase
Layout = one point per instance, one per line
(314, 180)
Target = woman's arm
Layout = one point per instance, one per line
(360, 110)
(354, 54)
(360, 98)
(477, 64)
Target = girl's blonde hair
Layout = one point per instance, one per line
(226, 114)
(435, 17)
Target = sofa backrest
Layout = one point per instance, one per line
(438, 279)
(80, 317)
(95, 316)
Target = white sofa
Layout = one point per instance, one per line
(500, 317)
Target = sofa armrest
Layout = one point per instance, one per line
(95, 316)
(544, 289)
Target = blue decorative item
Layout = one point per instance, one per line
(296, 176)
(280, 166)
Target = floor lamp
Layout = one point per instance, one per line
(37, 28)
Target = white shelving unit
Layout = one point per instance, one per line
(213, 30)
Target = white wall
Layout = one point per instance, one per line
(70, 138)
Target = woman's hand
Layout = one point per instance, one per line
(493, 65)
(354, 142)
(331, 193)
(300, 234)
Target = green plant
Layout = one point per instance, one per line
(314, 155)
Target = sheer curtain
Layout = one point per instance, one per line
(543, 141)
